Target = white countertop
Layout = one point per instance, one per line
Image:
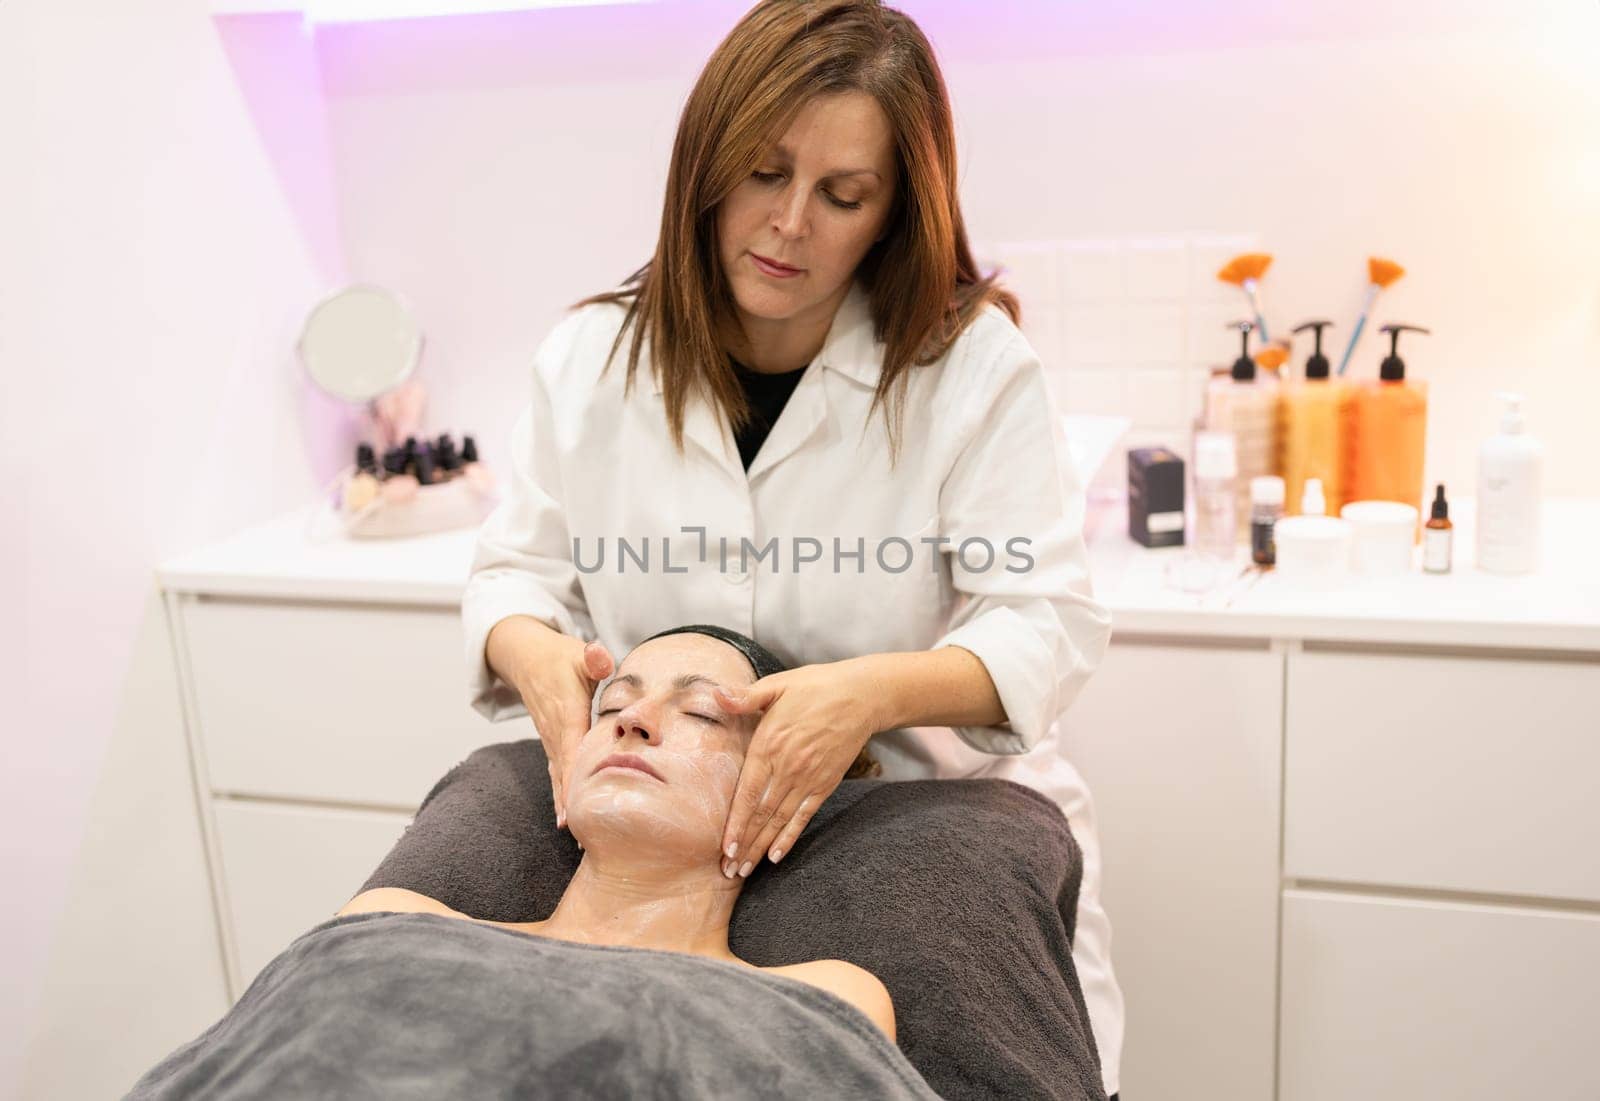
(1557, 608)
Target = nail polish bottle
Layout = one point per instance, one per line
(475, 472)
(423, 465)
(362, 486)
(446, 460)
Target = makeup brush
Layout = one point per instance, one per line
(1245, 272)
(1380, 274)
(1272, 358)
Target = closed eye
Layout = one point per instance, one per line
(771, 177)
(692, 715)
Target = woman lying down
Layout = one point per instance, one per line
(627, 990)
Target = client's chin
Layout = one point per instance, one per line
(623, 812)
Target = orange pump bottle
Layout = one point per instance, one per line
(1314, 429)
(1388, 431)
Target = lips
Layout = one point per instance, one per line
(629, 760)
(773, 267)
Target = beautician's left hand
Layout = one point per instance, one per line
(815, 720)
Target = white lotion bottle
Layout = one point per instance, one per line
(1510, 471)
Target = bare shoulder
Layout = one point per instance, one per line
(396, 899)
(856, 985)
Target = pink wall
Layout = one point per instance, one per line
(162, 239)
(498, 167)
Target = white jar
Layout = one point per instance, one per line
(1382, 535)
(1313, 551)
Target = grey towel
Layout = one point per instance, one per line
(961, 895)
(394, 1006)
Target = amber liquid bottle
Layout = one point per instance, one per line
(1388, 432)
(1314, 429)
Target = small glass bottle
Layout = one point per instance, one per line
(1438, 536)
(1266, 509)
(1216, 468)
(362, 486)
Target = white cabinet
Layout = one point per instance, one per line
(287, 869)
(1396, 998)
(1444, 771)
(324, 694)
(1181, 748)
(350, 703)
(317, 727)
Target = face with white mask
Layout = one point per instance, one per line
(792, 234)
(658, 769)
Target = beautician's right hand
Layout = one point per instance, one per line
(557, 687)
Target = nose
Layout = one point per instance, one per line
(637, 722)
(789, 218)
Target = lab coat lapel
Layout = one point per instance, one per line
(703, 426)
(802, 415)
(850, 349)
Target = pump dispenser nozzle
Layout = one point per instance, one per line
(1511, 414)
(1244, 368)
(1394, 368)
(1317, 365)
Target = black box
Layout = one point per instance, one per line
(1155, 497)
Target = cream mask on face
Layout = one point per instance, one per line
(658, 769)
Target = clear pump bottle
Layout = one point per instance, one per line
(1216, 470)
(1244, 403)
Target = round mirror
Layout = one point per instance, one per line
(360, 343)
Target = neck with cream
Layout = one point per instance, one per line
(619, 899)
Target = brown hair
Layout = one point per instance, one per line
(864, 766)
(922, 281)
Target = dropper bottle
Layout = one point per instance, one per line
(1388, 431)
(1313, 419)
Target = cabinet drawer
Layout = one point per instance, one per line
(1388, 998)
(287, 869)
(1455, 773)
(335, 702)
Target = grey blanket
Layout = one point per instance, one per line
(961, 895)
(386, 1005)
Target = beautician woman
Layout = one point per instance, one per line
(810, 368)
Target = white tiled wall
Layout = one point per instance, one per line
(1128, 326)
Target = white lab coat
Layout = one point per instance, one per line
(981, 456)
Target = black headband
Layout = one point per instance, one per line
(762, 660)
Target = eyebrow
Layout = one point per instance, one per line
(784, 152)
(682, 680)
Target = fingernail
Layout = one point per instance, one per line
(732, 850)
(745, 870)
(727, 868)
(777, 855)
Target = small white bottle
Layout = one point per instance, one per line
(1510, 471)
(1216, 468)
(1312, 500)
